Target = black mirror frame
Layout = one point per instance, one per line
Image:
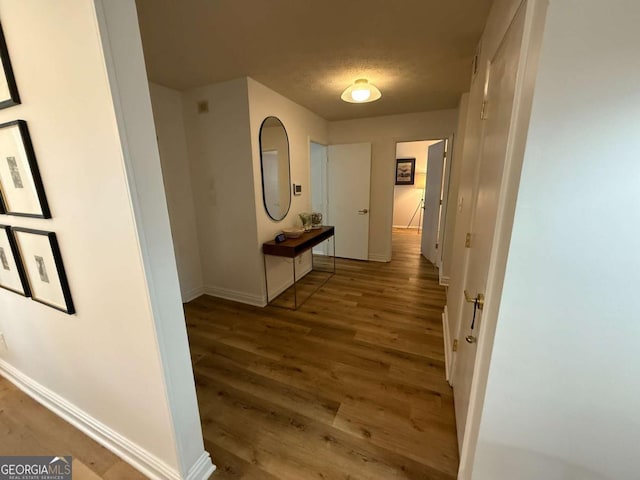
(264, 197)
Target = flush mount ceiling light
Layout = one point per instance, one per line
(361, 92)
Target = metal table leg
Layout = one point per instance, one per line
(266, 277)
(295, 288)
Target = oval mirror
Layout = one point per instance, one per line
(274, 162)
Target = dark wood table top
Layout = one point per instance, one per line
(292, 247)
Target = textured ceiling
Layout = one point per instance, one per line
(417, 52)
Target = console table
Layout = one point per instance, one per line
(292, 248)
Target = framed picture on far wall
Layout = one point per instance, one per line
(8, 88)
(12, 274)
(405, 171)
(45, 272)
(21, 188)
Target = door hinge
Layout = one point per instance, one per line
(455, 345)
(483, 112)
(437, 246)
(467, 241)
(440, 202)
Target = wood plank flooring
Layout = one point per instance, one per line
(350, 386)
(28, 428)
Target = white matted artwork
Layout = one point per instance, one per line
(8, 88)
(12, 275)
(44, 270)
(21, 189)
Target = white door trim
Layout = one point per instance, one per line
(392, 170)
(446, 183)
(447, 341)
(124, 69)
(527, 69)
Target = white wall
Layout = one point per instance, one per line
(222, 169)
(563, 393)
(406, 197)
(302, 126)
(167, 114)
(383, 133)
(224, 156)
(100, 367)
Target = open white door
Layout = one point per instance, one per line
(497, 121)
(348, 174)
(430, 247)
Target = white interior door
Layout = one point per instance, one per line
(498, 109)
(433, 202)
(348, 174)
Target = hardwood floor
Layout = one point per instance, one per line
(350, 386)
(28, 428)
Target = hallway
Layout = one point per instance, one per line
(351, 385)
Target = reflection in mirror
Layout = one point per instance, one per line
(274, 161)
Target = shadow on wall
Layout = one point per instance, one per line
(495, 461)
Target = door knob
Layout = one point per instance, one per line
(479, 300)
(471, 339)
(364, 211)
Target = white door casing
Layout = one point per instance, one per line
(349, 176)
(497, 114)
(318, 186)
(430, 247)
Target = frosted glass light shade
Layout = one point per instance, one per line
(361, 92)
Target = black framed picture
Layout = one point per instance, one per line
(405, 171)
(12, 274)
(8, 88)
(44, 270)
(21, 189)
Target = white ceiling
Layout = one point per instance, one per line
(418, 52)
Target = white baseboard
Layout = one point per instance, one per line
(375, 257)
(448, 351)
(404, 227)
(192, 294)
(134, 454)
(236, 296)
(202, 469)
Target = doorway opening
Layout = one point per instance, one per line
(340, 191)
(420, 189)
